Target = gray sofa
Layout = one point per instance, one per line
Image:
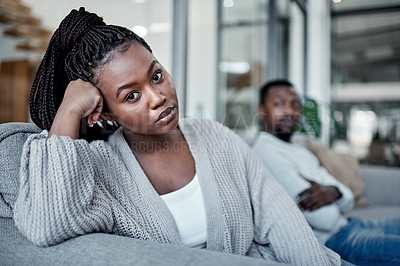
(376, 188)
(382, 186)
(91, 249)
(381, 190)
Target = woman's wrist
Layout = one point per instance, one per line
(66, 123)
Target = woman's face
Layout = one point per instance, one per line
(138, 92)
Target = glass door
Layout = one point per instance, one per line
(242, 61)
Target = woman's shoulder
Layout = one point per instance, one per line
(211, 133)
(203, 125)
(115, 137)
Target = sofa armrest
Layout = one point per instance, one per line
(382, 184)
(107, 249)
(12, 139)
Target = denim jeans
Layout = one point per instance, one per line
(375, 242)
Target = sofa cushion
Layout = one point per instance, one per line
(107, 249)
(12, 139)
(374, 212)
(382, 184)
(344, 168)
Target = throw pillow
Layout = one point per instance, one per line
(344, 168)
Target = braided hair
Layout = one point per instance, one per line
(75, 50)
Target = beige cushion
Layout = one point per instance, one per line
(344, 168)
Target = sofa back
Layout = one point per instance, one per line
(382, 184)
(12, 139)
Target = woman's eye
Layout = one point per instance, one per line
(157, 76)
(131, 97)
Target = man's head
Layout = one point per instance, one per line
(280, 108)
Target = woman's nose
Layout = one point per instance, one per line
(156, 98)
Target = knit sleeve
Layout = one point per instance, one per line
(281, 231)
(59, 195)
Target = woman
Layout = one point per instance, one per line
(189, 182)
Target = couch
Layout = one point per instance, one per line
(381, 191)
(376, 189)
(91, 249)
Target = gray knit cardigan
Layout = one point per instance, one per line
(72, 187)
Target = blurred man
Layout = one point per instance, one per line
(319, 195)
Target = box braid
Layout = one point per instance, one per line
(77, 48)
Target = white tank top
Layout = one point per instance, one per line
(187, 207)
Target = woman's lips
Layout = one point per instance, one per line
(166, 116)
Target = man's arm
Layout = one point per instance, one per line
(286, 173)
(346, 201)
(317, 195)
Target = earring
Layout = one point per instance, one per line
(99, 124)
(113, 124)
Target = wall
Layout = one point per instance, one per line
(318, 61)
(8, 51)
(202, 54)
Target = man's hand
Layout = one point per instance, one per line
(317, 196)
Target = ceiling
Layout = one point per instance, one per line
(361, 4)
(365, 33)
(119, 12)
(366, 40)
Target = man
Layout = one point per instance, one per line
(319, 195)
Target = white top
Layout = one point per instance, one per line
(287, 161)
(187, 207)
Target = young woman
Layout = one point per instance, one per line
(188, 182)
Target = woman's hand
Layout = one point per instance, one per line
(81, 99)
(84, 99)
